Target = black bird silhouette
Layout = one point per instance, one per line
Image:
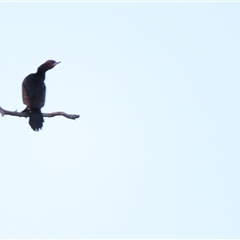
(34, 92)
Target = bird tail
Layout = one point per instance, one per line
(36, 119)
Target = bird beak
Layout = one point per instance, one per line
(56, 63)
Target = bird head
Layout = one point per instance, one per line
(50, 64)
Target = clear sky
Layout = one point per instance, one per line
(155, 153)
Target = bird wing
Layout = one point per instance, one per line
(33, 92)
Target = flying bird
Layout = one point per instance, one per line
(34, 93)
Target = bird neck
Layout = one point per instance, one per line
(41, 71)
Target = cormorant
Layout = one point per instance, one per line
(33, 94)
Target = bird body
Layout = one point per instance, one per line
(34, 93)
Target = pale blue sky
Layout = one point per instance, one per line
(155, 153)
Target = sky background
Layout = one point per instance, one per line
(155, 153)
